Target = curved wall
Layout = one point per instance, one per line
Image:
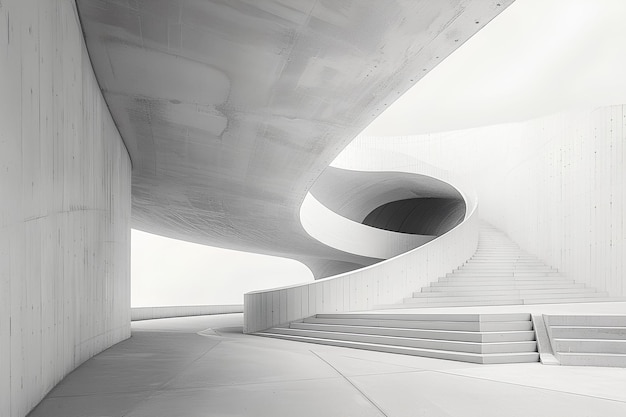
(386, 282)
(354, 194)
(349, 236)
(65, 205)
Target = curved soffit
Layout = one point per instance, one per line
(230, 110)
(423, 216)
(355, 194)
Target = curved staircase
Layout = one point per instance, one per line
(499, 273)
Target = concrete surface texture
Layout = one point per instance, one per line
(205, 366)
(554, 185)
(65, 210)
(232, 110)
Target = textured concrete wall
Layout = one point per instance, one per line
(64, 208)
(556, 185)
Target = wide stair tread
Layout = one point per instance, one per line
(588, 340)
(500, 273)
(491, 358)
(433, 334)
(415, 342)
(444, 325)
(469, 337)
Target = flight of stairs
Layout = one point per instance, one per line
(588, 340)
(500, 273)
(477, 338)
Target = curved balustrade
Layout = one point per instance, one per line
(344, 234)
(386, 282)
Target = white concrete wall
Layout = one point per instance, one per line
(556, 185)
(64, 209)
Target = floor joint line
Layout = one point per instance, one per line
(352, 383)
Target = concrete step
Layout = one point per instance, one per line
(447, 345)
(430, 353)
(504, 262)
(588, 321)
(498, 248)
(497, 268)
(461, 336)
(498, 273)
(593, 359)
(515, 292)
(589, 346)
(466, 326)
(462, 298)
(502, 257)
(496, 244)
(598, 299)
(429, 317)
(581, 332)
(569, 296)
(450, 304)
(501, 285)
(493, 279)
(496, 303)
(447, 298)
(504, 266)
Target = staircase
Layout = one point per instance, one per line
(476, 338)
(588, 340)
(500, 273)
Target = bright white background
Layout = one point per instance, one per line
(167, 272)
(537, 57)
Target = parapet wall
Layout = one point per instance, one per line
(386, 282)
(64, 207)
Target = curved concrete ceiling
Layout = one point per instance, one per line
(355, 194)
(423, 216)
(231, 109)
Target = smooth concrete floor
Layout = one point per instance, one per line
(204, 366)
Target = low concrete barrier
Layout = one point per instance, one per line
(148, 313)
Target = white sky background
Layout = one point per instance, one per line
(537, 57)
(169, 272)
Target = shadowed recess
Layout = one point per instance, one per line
(423, 216)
